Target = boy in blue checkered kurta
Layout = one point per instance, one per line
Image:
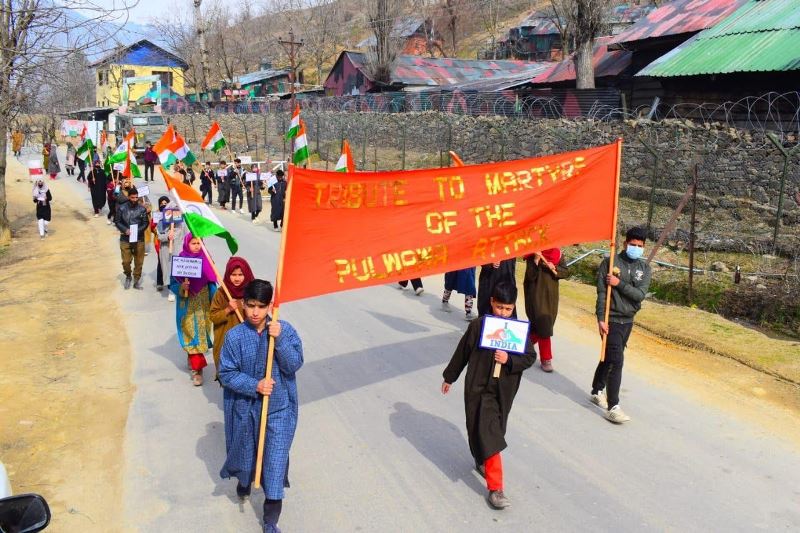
(241, 372)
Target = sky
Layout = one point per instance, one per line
(143, 12)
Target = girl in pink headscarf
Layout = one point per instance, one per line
(193, 308)
(542, 272)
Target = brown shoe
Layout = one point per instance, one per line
(197, 377)
(547, 365)
(498, 500)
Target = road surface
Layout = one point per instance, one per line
(378, 448)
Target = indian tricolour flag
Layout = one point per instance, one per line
(199, 218)
(300, 145)
(121, 153)
(294, 127)
(163, 148)
(85, 150)
(181, 150)
(131, 169)
(214, 140)
(345, 163)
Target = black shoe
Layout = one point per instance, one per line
(242, 492)
(127, 283)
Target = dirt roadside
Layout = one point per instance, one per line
(66, 363)
(767, 403)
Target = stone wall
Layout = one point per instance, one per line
(738, 171)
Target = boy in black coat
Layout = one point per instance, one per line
(488, 400)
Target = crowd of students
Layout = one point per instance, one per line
(232, 318)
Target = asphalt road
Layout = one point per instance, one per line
(378, 448)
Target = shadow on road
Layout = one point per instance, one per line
(346, 372)
(559, 384)
(438, 440)
(403, 325)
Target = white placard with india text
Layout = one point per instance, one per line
(505, 334)
(187, 267)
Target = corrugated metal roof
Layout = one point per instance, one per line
(606, 63)
(260, 75)
(679, 16)
(444, 71)
(403, 27)
(141, 53)
(539, 24)
(761, 36)
(502, 83)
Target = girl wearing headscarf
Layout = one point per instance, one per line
(97, 186)
(542, 272)
(193, 308)
(254, 202)
(223, 310)
(42, 199)
(70, 164)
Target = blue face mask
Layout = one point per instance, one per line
(634, 252)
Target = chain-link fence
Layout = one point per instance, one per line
(747, 201)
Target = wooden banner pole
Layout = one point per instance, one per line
(612, 249)
(262, 431)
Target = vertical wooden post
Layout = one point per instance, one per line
(612, 246)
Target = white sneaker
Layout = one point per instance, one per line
(599, 399)
(108, 221)
(419, 290)
(96, 215)
(171, 297)
(470, 316)
(241, 211)
(446, 307)
(616, 415)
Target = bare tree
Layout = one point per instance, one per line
(587, 21)
(35, 36)
(382, 15)
(490, 17)
(559, 13)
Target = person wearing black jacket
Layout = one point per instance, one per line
(132, 246)
(235, 175)
(207, 181)
(629, 283)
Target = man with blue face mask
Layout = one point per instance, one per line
(629, 283)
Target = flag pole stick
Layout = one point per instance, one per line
(220, 279)
(262, 430)
(612, 248)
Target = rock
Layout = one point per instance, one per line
(761, 287)
(751, 279)
(719, 266)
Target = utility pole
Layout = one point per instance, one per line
(201, 37)
(293, 46)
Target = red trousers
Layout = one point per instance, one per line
(494, 472)
(545, 347)
(197, 361)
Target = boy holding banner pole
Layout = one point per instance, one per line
(620, 292)
(488, 399)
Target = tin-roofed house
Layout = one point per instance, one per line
(264, 82)
(536, 38)
(143, 60)
(417, 34)
(752, 51)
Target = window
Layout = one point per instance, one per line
(139, 121)
(101, 77)
(166, 77)
(128, 74)
(155, 121)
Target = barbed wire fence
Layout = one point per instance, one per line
(747, 156)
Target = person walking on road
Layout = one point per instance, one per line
(492, 274)
(242, 374)
(150, 160)
(71, 156)
(277, 200)
(207, 181)
(17, 140)
(193, 308)
(223, 192)
(53, 167)
(542, 272)
(97, 186)
(223, 310)
(81, 170)
(254, 201)
(462, 281)
(132, 221)
(629, 283)
(169, 229)
(488, 400)
(235, 174)
(42, 198)
(416, 284)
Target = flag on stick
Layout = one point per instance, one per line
(294, 126)
(121, 153)
(131, 169)
(83, 132)
(214, 140)
(300, 146)
(104, 142)
(85, 150)
(345, 163)
(182, 151)
(163, 148)
(199, 218)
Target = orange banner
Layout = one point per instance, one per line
(346, 231)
